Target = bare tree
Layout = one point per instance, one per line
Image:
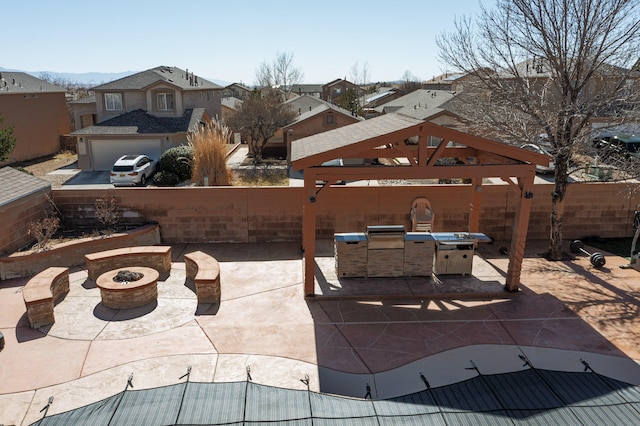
(410, 83)
(259, 117)
(43, 230)
(360, 76)
(280, 73)
(107, 212)
(552, 67)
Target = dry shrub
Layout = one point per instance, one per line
(43, 229)
(209, 148)
(106, 211)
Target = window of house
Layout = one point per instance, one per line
(165, 101)
(329, 118)
(337, 91)
(113, 101)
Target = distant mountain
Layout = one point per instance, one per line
(91, 78)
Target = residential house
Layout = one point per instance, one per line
(236, 90)
(25, 100)
(229, 105)
(304, 103)
(146, 113)
(314, 90)
(430, 105)
(316, 119)
(84, 112)
(453, 82)
(381, 96)
(334, 90)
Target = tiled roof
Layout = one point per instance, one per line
(140, 122)
(306, 103)
(172, 75)
(420, 104)
(301, 104)
(325, 106)
(20, 82)
(231, 102)
(350, 135)
(306, 88)
(15, 184)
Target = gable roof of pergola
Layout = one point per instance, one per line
(385, 136)
(394, 135)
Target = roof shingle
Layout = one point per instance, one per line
(15, 184)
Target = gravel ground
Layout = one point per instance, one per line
(42, 167)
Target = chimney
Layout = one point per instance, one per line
(186, 76)
(196, 79)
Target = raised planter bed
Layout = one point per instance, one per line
(71, 253)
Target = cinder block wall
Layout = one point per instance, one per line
(234, 214)
(16, 217)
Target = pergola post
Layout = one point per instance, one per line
(474, 207)
(309, 232)
(519, 237)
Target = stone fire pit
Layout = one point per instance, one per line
(120, 289)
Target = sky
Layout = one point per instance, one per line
(229, 40)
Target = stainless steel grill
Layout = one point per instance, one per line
(385, 237)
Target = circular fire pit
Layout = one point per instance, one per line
(128, 294)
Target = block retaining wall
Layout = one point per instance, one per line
(269, 214)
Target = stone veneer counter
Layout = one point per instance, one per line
(129, 294)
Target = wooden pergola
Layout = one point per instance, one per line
(426, 146)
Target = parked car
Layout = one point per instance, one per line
(539, 149)
(618, 147)
(132, 170)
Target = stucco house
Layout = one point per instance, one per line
(236, 90)
(333, 91)
(314, 116)
(145, 113)
(435, 106)
(381, 96)
(314, 90)
(453, 82)
(25, 99)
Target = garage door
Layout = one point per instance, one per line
(105, 152)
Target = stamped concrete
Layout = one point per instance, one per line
(566, 312)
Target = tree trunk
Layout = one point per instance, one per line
(561, 176)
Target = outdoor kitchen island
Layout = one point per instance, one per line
(389, 251)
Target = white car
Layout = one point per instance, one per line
(132, 170)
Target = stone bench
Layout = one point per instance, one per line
(156, 257)
(204, 270)
(42, 292)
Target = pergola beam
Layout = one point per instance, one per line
(329, 173)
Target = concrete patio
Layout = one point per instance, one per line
(565, 312)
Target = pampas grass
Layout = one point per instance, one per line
(209, 148)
